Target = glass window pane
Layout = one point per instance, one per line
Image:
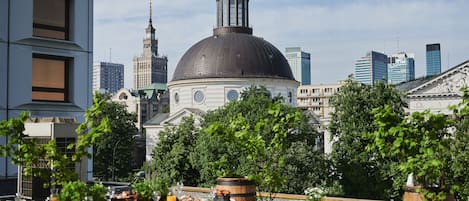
(48, 73)
(225, 12)
(51, 19)
(240, 13)
(232, 13)
(50, 12)
(48, 96)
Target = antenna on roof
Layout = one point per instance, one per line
(110, 55)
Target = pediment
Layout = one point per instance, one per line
(176, 118)
(448, 83)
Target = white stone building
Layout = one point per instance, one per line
(145, 103)
(215, 70)
(438, 92)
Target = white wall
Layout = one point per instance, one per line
(215, 91)
(435, 105)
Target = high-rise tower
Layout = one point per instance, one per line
(401, 68)
(371, 68)
(150, 67)
(433, 59)
(300, 63)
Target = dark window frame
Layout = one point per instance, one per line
(65, 29)
(66, 89)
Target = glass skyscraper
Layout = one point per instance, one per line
(371, 68)
(401, 68)
(300, 63)
(433, 59)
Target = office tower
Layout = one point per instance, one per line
(433, 59)
(46, 53)
(371, 68)
(401, 68)
(300, 64)
(108, 77)
(150, 67)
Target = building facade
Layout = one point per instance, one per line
(145, 103)
(300, 63)
(433, 59)
(315, 99)
(371, 68)
(215, 70)
(46, 54)
(108, 77)
(437, 93)
(401, 68)
(150, 67)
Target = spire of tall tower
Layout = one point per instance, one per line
(150, 21)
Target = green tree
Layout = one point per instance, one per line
(459, 148)
(112, 154)
(25, 151)
(420, 144)
(255, 136)
(170, 155)
(361, 174)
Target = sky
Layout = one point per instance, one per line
(335, 32)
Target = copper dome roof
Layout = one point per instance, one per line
(232, 55)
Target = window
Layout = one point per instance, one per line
(232, 13)
(50, 78)
(51, 19)
(199, 96)
(232, 95)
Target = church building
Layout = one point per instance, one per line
(218, 68)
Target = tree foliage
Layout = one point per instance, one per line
(420, 145)
(361, 174)
(256, 136)
(26, 151)
(118, 145)
(459, 148)
(253, 136)
(171, 154)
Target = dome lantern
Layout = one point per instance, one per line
(232, 16)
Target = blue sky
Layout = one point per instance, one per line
(335, 32)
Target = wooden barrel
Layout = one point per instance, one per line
(240, 189)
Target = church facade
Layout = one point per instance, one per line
(218, 68)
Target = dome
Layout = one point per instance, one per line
(233, 55)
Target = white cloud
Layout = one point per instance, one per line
(335, 33)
